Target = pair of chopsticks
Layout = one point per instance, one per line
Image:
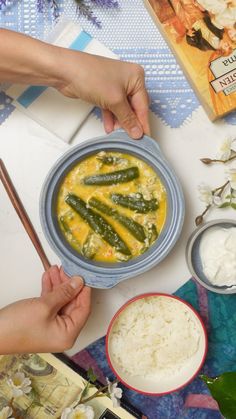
(17, 204)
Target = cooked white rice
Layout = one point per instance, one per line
(153, 335)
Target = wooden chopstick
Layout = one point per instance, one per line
(17, 204)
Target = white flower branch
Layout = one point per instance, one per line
(80, 406)
(226, 153)
(225, 195)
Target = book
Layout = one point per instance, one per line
(56, 384)
(202, 36)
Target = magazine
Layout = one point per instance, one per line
(202, 35)
(56, 383)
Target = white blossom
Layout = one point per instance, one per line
(20, 384)
(6, 413)
(225, 149)
(218, 200)
(205, 194)
(231, 175)
(223, 198)
(115, 393)
(79, 412)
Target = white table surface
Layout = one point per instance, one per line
(29, 151)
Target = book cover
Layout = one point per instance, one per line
(56, 383)
(202, 35)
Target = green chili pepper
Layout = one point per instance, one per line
(135, 202)
(132, 226)
(112, 178)
(223, 389)
(98, 224)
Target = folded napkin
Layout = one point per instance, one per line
(60, 115)
(194, 401)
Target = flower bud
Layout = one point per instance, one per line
(198, 220)
(205, 160)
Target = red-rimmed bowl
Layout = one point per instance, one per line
(166, 381)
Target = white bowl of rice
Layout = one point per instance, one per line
(156, 344)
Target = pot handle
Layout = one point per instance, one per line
(91, 279)
(146, 141)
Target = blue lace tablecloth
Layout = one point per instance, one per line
(131, 33)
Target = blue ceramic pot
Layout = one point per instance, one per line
(104, 275)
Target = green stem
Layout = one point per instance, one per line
(97, 394)
(100, 390)
(82, 393)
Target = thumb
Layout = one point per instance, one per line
(64, 293)
(127, 119)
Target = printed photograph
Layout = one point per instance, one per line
(32, 388)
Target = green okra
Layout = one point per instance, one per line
(97, 223)
(109, 160)
(152, 233)
(65, 225)
(90, 246)
(135, 202)
(112, 178)
(68, 232)
(132, 226)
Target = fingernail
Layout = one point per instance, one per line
(136, 132)
(76, 282)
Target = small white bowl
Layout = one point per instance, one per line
(193, 255)
(160, 385)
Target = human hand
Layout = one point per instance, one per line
(54, 278)
(115, 86)
(50, 323)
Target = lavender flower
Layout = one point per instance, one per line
(52, 3)
(55, 8)
(85, 10)
(83, 7)
(2, 3)
(106, 3)
(40, 5)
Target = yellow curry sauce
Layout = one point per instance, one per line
(77, 231)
